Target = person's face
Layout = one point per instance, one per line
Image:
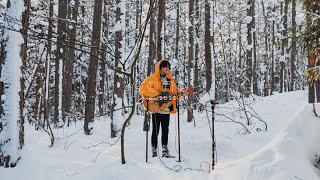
(164, 70)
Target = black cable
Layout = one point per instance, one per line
(180, 168)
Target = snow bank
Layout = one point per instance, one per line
(290, 154)
(286, 151)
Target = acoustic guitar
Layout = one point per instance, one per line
(159, 103)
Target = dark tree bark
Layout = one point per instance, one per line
(196, 54)
(93, 65)
(39, 85)
(118, 78)
(207, 48)
(266, 54)
(311, 87)
(69, 60)
(293, 47)
(255, 63)
(312, 46)
(213, 78)
(80, 82)
(273, 54)
(24, 56)
(4, 158)
(316, 11)
(60, 56)
(249, 62)
(48, 65)
(103, 54)
(176, 53)
(152, 46)
(284, 45)
(160, 33)
(190, 56)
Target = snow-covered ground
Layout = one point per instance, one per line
(285, 151)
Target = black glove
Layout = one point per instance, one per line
(164, 97)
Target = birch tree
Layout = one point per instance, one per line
(117, 107)
(11, 116)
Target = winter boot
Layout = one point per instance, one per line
(165, 152)
(154, 151)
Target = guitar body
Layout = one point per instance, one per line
(154, 106)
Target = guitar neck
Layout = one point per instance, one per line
(176, 94)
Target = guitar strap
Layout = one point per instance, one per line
(167, 85)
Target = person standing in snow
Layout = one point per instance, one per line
(160, 84)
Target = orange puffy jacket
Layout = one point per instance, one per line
(151, 86)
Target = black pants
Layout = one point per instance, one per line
(158, 119)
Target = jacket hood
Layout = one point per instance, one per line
(157, 70)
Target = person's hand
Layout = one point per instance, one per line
(185, 92)
(164, 96)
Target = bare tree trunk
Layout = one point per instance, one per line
(240, 61)
(240, 47)
(190, 56)
(12, 66)
(272, 53)
(250, 13)
(312, 8)
(93, 65)
(196, 54)
(316, 10)
(4, 157)
(255, 77)
(282, 53)
(3, 128)
(39, 83)
(293, 46)
(2, 57)
(103, 55)
(283, 78)
(213, 77)
(24, 56)
(207, 49)
(311, 88)
(79, 82)
(266, 55)
(152, 46)
(286, 79)
(316, 84)
(137, 18)
(101, 101)
(254, 49)
(161, 18)
(48, 64)
(176, 55)
(226, 70)
(137, 30)
(69, 60)
(118, 78)
(60, 56)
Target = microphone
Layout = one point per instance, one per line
(214, 101)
